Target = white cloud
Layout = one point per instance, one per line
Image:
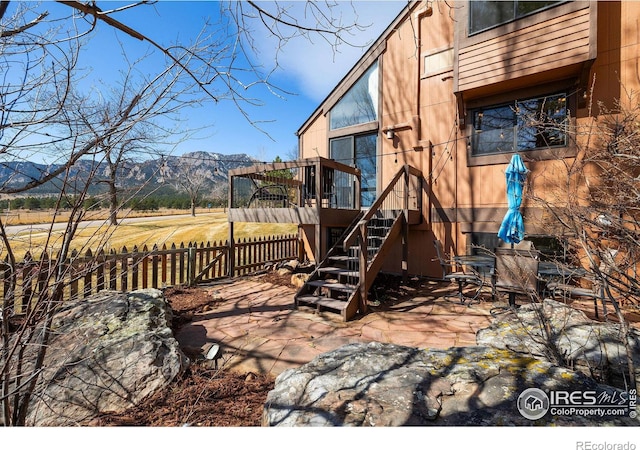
(315, 67)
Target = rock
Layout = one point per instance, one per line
(287, 267)
(108, 352)
(594, 348)
(305, 268)
(298, 279)
(378, 384)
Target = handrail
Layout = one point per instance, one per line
(405, 170)
(305, 183)
(268, 167)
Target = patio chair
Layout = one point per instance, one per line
(598, 284)
(452, 272)
(516, 273)
(596, 292)
(272, 194)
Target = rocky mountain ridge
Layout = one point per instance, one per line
(214, 166)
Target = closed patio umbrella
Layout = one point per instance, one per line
(512, 227)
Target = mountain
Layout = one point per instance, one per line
(214, 167)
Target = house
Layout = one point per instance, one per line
(429, 118)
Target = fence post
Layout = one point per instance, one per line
(232, 252)
(134, 267)
(125, 269)
(73, 269)
(173, 258)
(154, 266)
(88, 258)
(181, 277)
(27, 282)
(191, 266)
(113, 269)
(145, 266)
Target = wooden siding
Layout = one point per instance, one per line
(562, 41)
(274, 215)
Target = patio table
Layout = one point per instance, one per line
(554, 274)
(483, 265)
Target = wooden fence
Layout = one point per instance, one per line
(138, 268)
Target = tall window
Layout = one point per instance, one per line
(358, 151)
(360, 103)
(522, 125)
(488, 14)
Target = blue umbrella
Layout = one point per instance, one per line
(512, 227)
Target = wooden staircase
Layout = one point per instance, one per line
(341, 281)
(335, 285)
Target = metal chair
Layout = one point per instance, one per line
(451, 272)
(598, 284)
(596, 292)
(516, 273)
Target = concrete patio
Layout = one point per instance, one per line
(259, 330)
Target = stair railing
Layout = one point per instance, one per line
(387, 202)
(315, 273)
(393, 200)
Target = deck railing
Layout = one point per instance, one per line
(157, 267)
(313, 182)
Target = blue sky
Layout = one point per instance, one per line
(309, 69)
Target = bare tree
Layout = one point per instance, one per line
(592, 205)
(44, 112)
(191, 178)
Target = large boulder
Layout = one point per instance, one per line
(107, 353)
(563, 335)
(378, 384)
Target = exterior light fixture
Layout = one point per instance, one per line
(390, 134)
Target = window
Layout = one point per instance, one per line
(522, 125)
(360, 104)
(488, 14)
(358, 151)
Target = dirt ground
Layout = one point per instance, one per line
(205, 396)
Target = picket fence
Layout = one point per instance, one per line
(139, 268)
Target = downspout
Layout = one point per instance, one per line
(455, 191)
(416, 122)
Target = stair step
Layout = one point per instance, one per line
(381, 223)
(333, 286)
(369, 249)
(340, 272)
(378, 227)
(344, 258)
(326, 302)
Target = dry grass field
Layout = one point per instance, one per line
(29, 217)
(207, 226)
